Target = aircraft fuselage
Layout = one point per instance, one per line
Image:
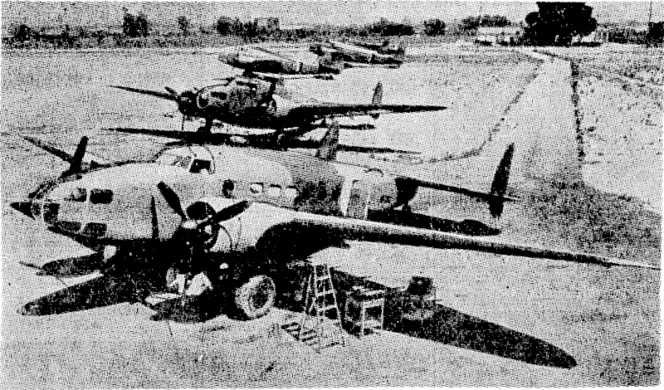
(248, 103)
(113, 205)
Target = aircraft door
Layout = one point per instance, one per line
(358, 202)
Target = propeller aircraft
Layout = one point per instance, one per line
(260, 103)
(241, 216)
(353, 56)
(263, 62)
(384, 48)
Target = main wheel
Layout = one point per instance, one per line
(256, 297)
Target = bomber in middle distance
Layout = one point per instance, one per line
(263, 103)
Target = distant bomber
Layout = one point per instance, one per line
(256, 60)
(354, 56)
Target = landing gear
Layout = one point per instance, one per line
(255, 298)
(207, 129)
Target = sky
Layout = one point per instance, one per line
(40, 14)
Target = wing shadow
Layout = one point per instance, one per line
(70, 267)
(452, 327)
(98, 292)
(192, 309)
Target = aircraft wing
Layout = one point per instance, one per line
(65, 156)
(360, 230)
(162, 95)
(321, 110)
(278, 77)
(189, 136)
(252, 140)
(270, 52)
(367, 65)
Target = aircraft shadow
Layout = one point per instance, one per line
(98, 292)
(452, 327)
(188, 310)
(70, 267)
(447, 326)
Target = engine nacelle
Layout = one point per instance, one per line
(215, 96)
(240, 233)
(280, 107)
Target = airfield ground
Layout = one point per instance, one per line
(505, 321)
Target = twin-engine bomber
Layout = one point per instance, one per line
(240, 216)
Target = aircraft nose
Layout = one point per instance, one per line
(23, 208)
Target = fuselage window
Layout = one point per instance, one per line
(182, 162)
(166, 158)
(256, 188)
(77, 195)
(98, 196)
(274, 191)
(200, 166)
(219, 95)
(290, 192)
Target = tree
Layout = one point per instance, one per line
(22, 32)
(470, 23)
(557, 23)
(224, 25)
(656, 33)
(143, 26)
(184, 25)
(385, 27)
(434, 27)
(135, 26)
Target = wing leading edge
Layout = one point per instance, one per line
(361, 230)
(320, 110)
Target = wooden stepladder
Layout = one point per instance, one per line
(320, 325)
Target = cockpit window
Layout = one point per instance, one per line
(256, 188)
(166, 158)
(175, 160)
(219, 95)
(98, 196)
(200, 166)
(77, 195)
(182, 162)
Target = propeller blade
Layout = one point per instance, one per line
(172, 91)
(226, 213)
(77, 159)
(500, 181)
(155, 219)
(172, 199)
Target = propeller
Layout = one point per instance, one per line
(174, 203)
(77, 160)
(500, 180)
(172, 199)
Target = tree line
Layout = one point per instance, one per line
(555, 23)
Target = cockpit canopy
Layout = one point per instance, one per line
(194, 159)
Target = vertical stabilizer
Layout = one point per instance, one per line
(401, 52)
(329, 144)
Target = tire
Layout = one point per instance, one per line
(255, 298)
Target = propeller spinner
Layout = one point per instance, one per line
(199, 227)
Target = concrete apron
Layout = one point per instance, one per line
(543, 130)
